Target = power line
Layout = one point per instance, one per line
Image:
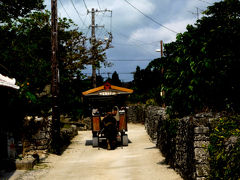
(65, 10)
(150, 17)
(77, 13)
(85, 4)
(123, 60)
(205, 2)
(98, 5)
(125, 44)
(137, 45)
(136, 40)
(112, 73)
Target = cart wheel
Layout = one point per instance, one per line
(125, 140)
(95, 141)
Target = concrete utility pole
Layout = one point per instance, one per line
(55, 128)
(94, 76)
(94, 47)
(161, 48)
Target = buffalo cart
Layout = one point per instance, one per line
(101, 101)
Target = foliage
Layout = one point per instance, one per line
(224, 148)
(151, 102)
(201, 66)
(167, 141)
(26, 55)
(146, 85)
(12, 9)
(115, 79)
(200, 70)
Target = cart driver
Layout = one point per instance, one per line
(110, 130)
(115, 113)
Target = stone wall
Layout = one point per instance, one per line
(37, 136)
(184, 153)
(153, 115)
(184, 147)
(136, 114)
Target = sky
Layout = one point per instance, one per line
(135, 37)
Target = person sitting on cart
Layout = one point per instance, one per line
(110, 130)
(115, 113)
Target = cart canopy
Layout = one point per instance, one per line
(107, 96)
(107, 90)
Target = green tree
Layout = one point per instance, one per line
(115, 79)
(26, 53)
(147, 84)
(12, 9)
(201, 66)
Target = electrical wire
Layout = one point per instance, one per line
(137, 45)
(65, 9)
(123, 60)
(112, 73)
(85, 4)
(205, 2)
(98, 4)
(77, 13)
(153, 20)
(124, 44)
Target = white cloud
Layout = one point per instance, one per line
(148, 34)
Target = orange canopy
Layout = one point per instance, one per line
(107, 90)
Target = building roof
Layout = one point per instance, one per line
(107, 90)
(8, 82)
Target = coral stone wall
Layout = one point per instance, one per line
(182, 141)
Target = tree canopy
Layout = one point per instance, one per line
(12, 9)
(201, 68)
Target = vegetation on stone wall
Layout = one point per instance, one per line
(224, 148)
(167, 140)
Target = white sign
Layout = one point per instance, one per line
(107, 93)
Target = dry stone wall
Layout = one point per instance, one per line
(183, 141)
(136, 113)
(37, 136)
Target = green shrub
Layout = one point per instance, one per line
(224, 148)
(167, 139)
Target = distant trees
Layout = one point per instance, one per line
(115, 79)
(146, 85)
(201, 68)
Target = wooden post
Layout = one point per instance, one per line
(55, 126)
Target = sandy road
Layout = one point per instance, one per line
(139, 160)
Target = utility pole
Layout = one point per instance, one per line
(55, 126)
(162, 93)
(161, 48)
(93, 40)
(197, 13)
(94, 47)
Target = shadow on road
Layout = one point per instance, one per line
(154, 147)
(88, 143)
(103, 143)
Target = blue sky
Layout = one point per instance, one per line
(135, 37)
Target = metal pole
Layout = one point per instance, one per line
(55, 129)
